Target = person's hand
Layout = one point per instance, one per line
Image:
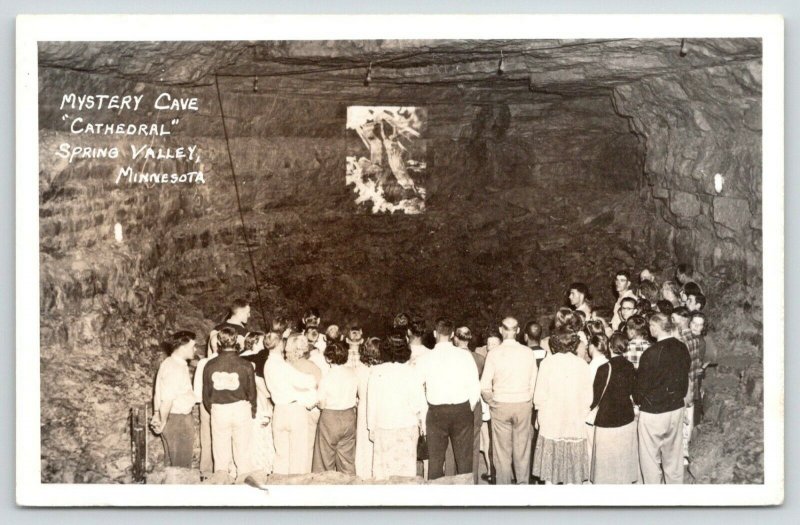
(422, 429)
(156, 425)
(688, 401)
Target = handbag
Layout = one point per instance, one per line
(422, 448)
(593, 412)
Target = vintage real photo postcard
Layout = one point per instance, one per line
(399, 260)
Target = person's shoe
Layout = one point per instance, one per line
(487, 478)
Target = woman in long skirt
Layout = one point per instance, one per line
(563, 394)
(615, 458)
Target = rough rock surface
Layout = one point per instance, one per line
(529, 189)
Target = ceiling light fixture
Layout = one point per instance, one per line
(255, 84)
(683, 47)
(368, 78)
(500, 69)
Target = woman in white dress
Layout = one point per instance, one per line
(369, 357)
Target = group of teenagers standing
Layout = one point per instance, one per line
(595, 401)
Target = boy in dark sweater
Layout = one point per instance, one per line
(662, 383)
(229, 395)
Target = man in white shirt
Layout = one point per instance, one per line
(452, 389)
(507, 384)
(173, 400)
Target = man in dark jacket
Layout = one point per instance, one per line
(662, 383)
(229, 395)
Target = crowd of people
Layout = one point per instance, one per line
(606, 401)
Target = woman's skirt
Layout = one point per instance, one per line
(395, 452)
(562, 460)
(616, 455)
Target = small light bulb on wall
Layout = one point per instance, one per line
(500, 65)
(368, 78)
(719, 180)
(118, 232)
(682, 52)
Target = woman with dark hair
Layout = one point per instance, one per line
(396, 410)
(615, 456)
(368, 358)
(563, 394)
(335, 443)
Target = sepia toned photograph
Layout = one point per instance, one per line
(404, 263)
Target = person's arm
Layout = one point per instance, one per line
(534, 377)
(422, 405)
(207, 388)
(487, 379)
(473, 381)
(251, 392)
(372, 404)
(322, 391)
(540, 392)
(644, 377)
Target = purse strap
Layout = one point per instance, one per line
(608, 380)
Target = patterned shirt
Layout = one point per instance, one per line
(692, 343)
(636, 348)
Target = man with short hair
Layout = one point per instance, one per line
(533, 338)
(684, 273)
(238, 315)
(229, 395)
(507, 385)
(622, 284)
(695, 302)
(173, 400)
(662, 382)
(452, 388)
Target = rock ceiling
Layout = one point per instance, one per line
(567, 67)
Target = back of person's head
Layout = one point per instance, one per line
(463, 335)
(692, 288)
(226, 339)
(662, 322)
(617, 344)
(509, 328)
(566, 321)
(401, 320)
(279, 325)
(599, 342)
(370, 353)
(444, 327)
(332, 333)
(533, 332)
(595, 328)
(336, 354)
(271, 341)
(643, 306)
(581, 316)
(178, 339)
(564, 342)
(416, 327)
(251, 339)
(636, 327)
(296, 347)
(649, 291)
(395, 349)
(665, 307)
